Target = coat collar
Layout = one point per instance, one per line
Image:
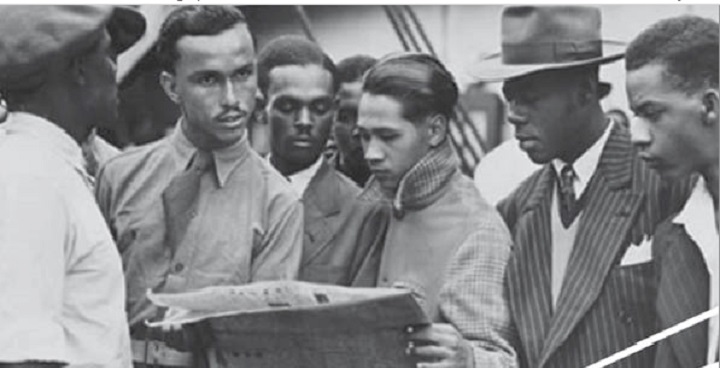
(422, 184)
(226, 159)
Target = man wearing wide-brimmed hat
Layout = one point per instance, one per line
(581, 281)
(61, 277)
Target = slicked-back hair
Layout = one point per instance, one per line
(195, 20)
(353, 68)
(421, 84)
(291, 50)
(686, 45)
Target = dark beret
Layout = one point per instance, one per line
(34, 37)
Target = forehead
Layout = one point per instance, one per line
(379, 111)
(300, 81)
(549, 80)
(647, 82)
(232, 46)
(350, 91)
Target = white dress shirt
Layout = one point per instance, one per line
(698, 217)
(61, 279)
(301, 179)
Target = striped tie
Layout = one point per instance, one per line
(569, 207)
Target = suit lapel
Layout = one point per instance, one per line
(322, 205)
(529, 270)
(609, 214)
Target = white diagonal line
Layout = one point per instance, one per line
(649, 341)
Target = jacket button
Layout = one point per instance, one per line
(179, 267)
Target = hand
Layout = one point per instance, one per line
(438, 345)
(182, 337)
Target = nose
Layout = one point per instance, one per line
(303, 120)
(640, 132)
(373, 152)
(229, 95)
(515, 114)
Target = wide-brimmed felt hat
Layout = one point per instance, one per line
(537, 38)
(34, 37)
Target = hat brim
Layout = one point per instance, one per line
(492, 69)
(126, 26)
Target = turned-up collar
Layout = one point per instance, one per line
(422, 184)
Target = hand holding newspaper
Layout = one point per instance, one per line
(300, 324)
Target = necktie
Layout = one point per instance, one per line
(569, 206)
(180, 198)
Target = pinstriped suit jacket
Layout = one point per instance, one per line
(602, 307)
(683, 284)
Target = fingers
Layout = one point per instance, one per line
(432, 352)
(437, 334)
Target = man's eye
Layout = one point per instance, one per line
(387, 137)
(244, 72)
(347, 117)
(651, 115)
(321, 107)
(285, 106)
(208, 80)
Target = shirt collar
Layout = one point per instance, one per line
(301, 179)
(51, 135)
(225, 159)
(587, 163)
(698, 218)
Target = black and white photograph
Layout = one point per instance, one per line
(195, 184)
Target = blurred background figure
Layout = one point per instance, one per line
(348, 158)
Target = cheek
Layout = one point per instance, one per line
(279, 124)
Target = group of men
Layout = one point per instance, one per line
(596, 250)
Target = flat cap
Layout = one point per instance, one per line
(34, 37)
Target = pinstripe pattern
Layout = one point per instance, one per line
(682, 293)
(602, 307)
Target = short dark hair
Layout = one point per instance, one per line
(420, 82)
(194, 20)
(686, 45)
(353, 68)
(291, 50)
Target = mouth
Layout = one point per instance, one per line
(303, 142)
(526, 142)
(233, 119)
(652, 161)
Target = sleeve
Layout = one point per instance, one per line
(34, 236)
(103, 196)
(279, 256)
(474, 299)
(508, 210)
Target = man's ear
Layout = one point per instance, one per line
(711, 105)
(167, 81)
(437, 129)
(586, 91)
(77, 70)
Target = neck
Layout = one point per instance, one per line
(710, 174)
(359, 170)
(285, 167)
(61, 115)
(592, 128)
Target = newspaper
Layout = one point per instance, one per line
(300, 324)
